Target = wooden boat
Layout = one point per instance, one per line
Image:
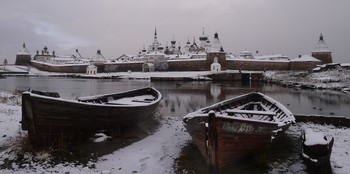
(236, 128)
(316, 151)
(47, 117)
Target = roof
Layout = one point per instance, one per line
(91, 66)
(216, 46)
(321, 46)
(272, 56)
(156, 53)
(305, 58)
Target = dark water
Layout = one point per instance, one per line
(180, 98)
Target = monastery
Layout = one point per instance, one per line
(207, 55)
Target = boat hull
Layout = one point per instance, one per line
(47, 119)
(235, 139)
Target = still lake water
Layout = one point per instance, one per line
(180, 98)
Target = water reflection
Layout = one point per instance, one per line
(180, 98)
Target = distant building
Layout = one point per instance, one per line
(215, 66)
(172, 51)
(148, 67)
(129, 58)
(216, 52)
(45, 56)
(246, 54)
(91, 70)
(23, 57)
(322, 52)
(98, 59)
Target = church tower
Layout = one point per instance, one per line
(216, 51)
(322, 52)
(203, 39)
(155, 46)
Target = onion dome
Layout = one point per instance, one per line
(144, 49)
(188, 41)
(203, 37)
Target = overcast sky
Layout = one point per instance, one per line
(289, 27)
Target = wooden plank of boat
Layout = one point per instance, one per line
(316, 151)
(238, 111)
(224, 136)
(47, 117)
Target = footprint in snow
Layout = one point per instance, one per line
(143, 159)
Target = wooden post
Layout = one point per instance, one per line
(28, 120)
(212, 144)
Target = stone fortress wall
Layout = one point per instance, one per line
(185, 65)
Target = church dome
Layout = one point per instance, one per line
(203, 38)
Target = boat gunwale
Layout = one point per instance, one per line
(229, 117)
(76, 101)
(205, 111)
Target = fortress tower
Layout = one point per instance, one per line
(322, 52)
(23, 57)
(216, 51)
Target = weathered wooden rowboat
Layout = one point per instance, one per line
(316, 151)
(236, 128)
(48, 117)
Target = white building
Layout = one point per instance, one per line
(91, 70)
(215, 67)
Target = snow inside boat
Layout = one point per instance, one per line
(236, 128)
(46, 116)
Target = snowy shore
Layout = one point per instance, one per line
(333, 79)
(156, 153)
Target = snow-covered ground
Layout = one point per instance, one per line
(156, 153)
(340, 157)
(336, 79)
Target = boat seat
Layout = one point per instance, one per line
(234, 111)
(142, 101)
(113, 103)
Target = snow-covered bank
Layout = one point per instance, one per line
(340, 157)
(333, 79)
(10, 115)
(154, 154)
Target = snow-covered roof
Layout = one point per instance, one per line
(155, 53)
(321, 46)
(232, 56)
(246, 53)
(272, 56)
(23, 51)
(215, 64)
(215, 45)
(305, 58)
(91, 66)
(63, 59)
